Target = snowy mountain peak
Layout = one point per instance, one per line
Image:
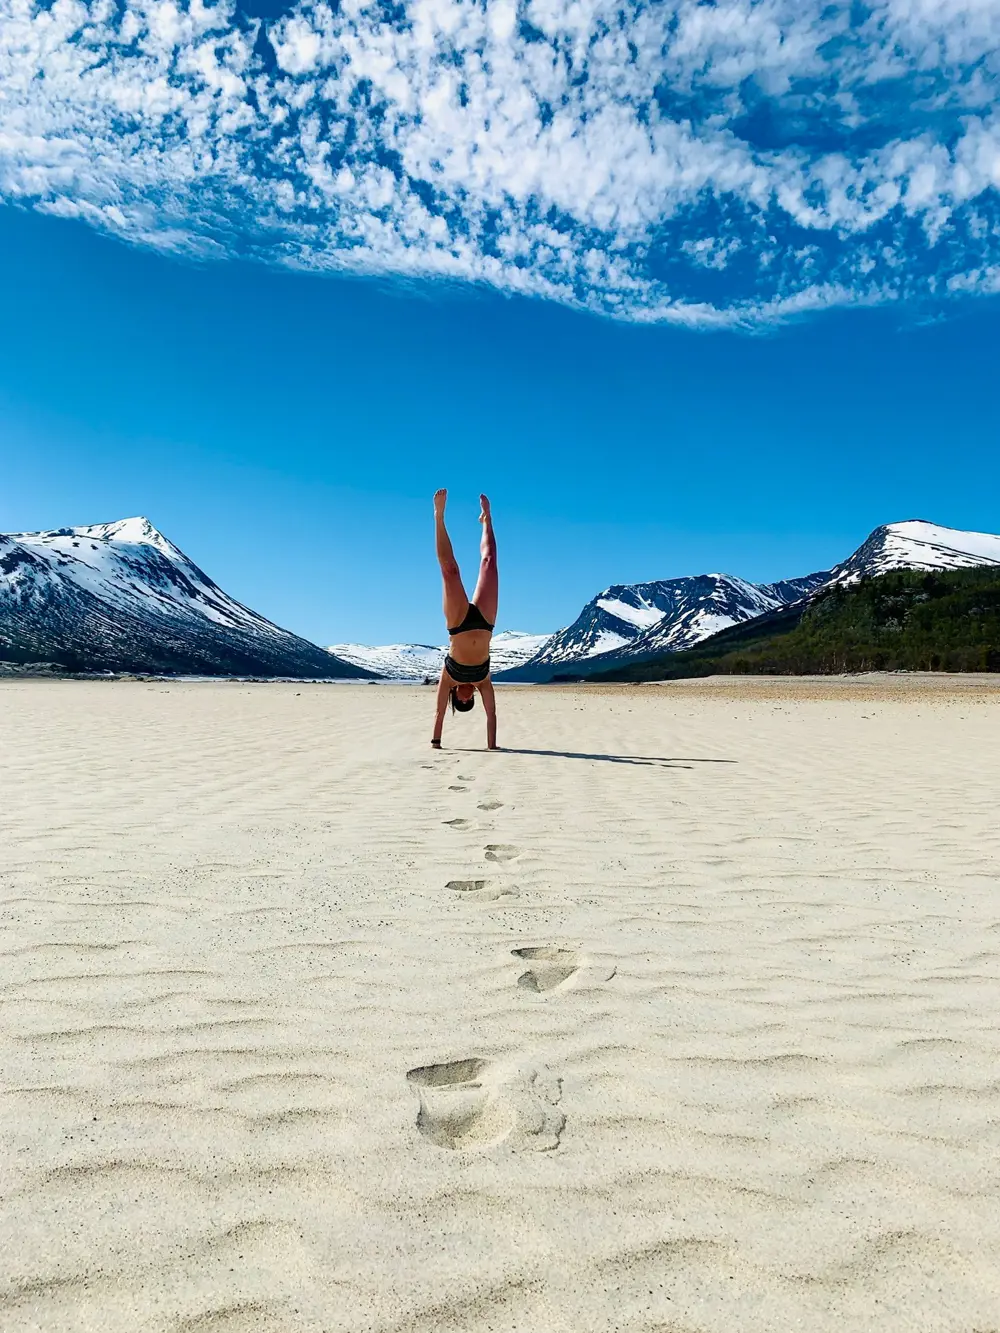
(131, 531)
(120, 596)
(131, 565)
(980, 547)
(918, 544)
(136, 531)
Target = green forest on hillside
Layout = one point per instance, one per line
(903, 621)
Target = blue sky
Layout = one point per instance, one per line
(287, 431)
(685, 287)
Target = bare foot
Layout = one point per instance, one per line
(484, 507)
(440, 498)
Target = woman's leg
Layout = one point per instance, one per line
(487, 593)
(456, 602)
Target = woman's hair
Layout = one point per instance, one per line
(461, 705)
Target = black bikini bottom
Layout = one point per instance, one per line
(466, 675)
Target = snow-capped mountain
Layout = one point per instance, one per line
(419, 661)
(628, 620)
(512, 648)
(917, 544)
(121, 597)
(393, 661)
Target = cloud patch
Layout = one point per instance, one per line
(705, 163)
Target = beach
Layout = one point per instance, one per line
(680, 1014)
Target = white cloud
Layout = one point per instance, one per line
(697, 162)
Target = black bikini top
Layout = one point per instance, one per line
(474, 619)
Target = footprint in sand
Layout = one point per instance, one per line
(459, 789)
(462, 778)
(456, 823)
(489, 805)
(550, 967)
(470, 1105)
(457, 1110)
(480, 890)
(501, 851)
(466, 885)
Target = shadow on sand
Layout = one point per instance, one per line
(655, 761)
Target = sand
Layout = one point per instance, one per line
(685, 1016)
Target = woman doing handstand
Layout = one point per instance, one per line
(470, 625)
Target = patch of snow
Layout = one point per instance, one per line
(643, 616)
(706, 623)
(605, 642)
(943, 547)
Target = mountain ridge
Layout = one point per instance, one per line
(628, 620)
(120, 596)
(698, 606)
(417, 661)
(942, 619)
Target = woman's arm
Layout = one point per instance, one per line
(443, 691)
(489, 699)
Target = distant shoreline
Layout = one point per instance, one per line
(887, 685)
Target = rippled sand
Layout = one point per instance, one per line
(684, 1017)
